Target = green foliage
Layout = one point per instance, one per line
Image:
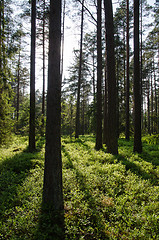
(23, 121)
(6, 111)
(105, 196)
(24, 114)
(151, 139)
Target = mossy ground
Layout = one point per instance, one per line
(105, 196)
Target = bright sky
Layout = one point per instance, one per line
(72, 37)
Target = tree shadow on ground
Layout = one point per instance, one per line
(150, 156)
(14, 170)
(89, 199)
(138, 170)
(50, 224)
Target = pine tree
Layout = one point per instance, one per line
(32, 79)
(137, 83)
(52, 189)
(112, 144)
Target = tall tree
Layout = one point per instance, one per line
(99, 79)
(127, 133)
(79, 77)
(43, 42)
(112, 144)
(137, 82)
(5, 74)
(32, 78)
(52, 190)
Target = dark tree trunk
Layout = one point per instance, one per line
(0, 41)
(18, 86)
(99, 80)
(158, 90)
(155, 98)
(105, 132)
(141, 63)
(148, 107)
(62, 41)
(32, 79)
(152, 109)
(3, 45)
(127, 131)
(112, 144)
(43, 93)
(137, 83)
(93, 79)
(117, 102)
(79, 77)
(52, 192)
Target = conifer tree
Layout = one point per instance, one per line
(112, 144)
(32, 78)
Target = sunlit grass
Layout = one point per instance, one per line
(105, 196)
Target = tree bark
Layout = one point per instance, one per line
(112, 144)
(152, 109)
(137, 82)
(32, 79)
(43, 93)
(18, 85)
(52, 190)
(127, 131)
(79, 77)
(0, 42)
(148, 107)
(105, 134)
(99, 80)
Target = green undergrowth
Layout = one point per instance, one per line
(105, 196)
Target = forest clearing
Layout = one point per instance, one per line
(105, 196)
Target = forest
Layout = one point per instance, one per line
(79, 119)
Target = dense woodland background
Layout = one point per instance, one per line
(15, 68)
(108, 92)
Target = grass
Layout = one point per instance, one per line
(105, 196)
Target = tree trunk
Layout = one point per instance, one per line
(127, 133)
(137, 82)
(52, 194)
(62, 41)
(112, 144)
(43, 93)
(152, 109)
(148, 107)
(32, 79)
(105, 133)
(0, 42)
(79, 77)
(99, 80)
(18, 85)
(141, 1)
(155, 98)
(117, 101)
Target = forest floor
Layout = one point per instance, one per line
(105, 196)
